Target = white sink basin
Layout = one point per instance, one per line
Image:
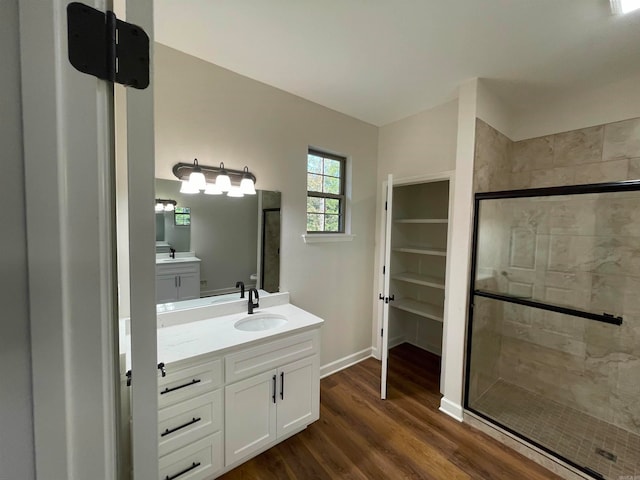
(258, 322)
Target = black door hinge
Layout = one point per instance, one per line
(128, 374)
(384, 269)
(385, 205)
(107, 48)
(381, 332)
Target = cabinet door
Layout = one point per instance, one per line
(166, 288)
(298, 394)
(188, 286)
(250, 415)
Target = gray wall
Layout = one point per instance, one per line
(16, 415)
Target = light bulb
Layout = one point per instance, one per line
(223, 182)
(159, 207)
(247, 187)
(187, 188)
(169, 207)
(212, 189)
(246, 184)
(235, 192)
(196, 179)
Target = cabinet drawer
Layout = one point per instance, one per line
(181, 424)
(251, 361)
(189, 382)
(199, 461)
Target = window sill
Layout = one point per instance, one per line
(327, 237)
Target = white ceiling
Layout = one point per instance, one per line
(383, 60)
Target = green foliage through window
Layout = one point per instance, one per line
(182, 216)
(325, 192)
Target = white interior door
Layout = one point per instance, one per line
(385, 291)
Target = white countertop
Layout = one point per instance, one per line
(180, 257)
(218, 334)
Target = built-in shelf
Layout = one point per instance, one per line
(422, 250)
(422, 220)
(423, 309)
(417, 279)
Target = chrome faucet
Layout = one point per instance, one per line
(250, 303)
(240, 285)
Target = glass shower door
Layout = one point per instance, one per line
(554, 334)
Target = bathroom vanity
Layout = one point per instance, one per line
(231, 385)
(177, 278)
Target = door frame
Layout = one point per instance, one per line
(70, 215)
(448, 175)
(69, 150)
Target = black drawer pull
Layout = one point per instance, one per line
(282, 385)
(173, 389)
(169, 431)
(274, 389)
(188, 469)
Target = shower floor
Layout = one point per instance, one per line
(564, 430)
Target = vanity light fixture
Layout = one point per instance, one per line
(622, 7)
(163, 205)
(217, 180)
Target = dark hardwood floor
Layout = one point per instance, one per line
(360, 436)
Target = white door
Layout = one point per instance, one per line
(385, 293)
(298, 394)
(250, 415)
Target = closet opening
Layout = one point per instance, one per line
(414, 283)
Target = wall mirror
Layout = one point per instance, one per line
(236, 239)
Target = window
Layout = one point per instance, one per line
(182, 216)
(325, 192)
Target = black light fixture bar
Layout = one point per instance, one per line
(183, 170)
(166, 201)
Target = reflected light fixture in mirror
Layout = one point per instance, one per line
(217, 180)
(163, 205)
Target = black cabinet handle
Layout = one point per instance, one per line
(274, 389)
(282, 385)
(173, 389)
(179, 474)
(169, 431)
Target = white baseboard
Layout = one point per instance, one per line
(345, 362)
(395, 341)
(435, 349)
(452, 409)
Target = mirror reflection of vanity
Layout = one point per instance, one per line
(218, 242)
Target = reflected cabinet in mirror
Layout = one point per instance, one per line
(230, 239)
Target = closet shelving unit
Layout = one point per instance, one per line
(418, 251)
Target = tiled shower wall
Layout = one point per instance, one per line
(591, 366)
